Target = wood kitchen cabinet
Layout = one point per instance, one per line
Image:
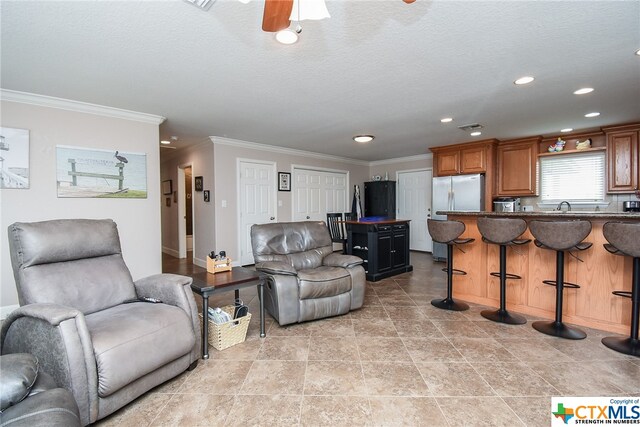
(383, 246)
(462, 158)
(623, 158)
(516, 164)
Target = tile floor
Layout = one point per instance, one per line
(397, 361)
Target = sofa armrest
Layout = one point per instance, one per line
(58, 336)
(276, 267)
(339, 260)
(173, 289)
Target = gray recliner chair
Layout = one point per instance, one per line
(307, 280)
(77, 319)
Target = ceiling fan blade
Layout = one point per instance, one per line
(276, 15)
(408, 1)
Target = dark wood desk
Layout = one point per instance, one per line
(207, 284)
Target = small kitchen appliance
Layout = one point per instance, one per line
(506, 204)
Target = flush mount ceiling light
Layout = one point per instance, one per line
(446, 120)
(566, 130)
(165, 142)
(524, 80)
(477, 133)
(583, 91)
(363, 138)
(287, 36)
(638, 52)
(594, 114)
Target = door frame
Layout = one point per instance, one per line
(182, 211)
(398, 191)
(317, 169)
(274, 190)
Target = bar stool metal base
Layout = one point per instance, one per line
(449, 304)
(623, 345)
(503, 316)
(558, 329)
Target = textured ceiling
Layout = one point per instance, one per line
(377, 67)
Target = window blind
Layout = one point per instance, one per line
(572, 177)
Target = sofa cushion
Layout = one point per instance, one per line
(132, 340)
(323, 282)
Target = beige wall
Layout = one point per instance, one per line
(225, 164)
(138, 219)
(391, 167)
(200, 157)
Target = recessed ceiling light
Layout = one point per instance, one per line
(566, 130)
(165, 142)
(638, 52)
(475, 133)
(363, 138)
(583, 91)
(287, 36)
(524, 80)
(594, 114)
(446, 120)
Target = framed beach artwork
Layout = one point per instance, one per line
(90, 172)
(14, 158)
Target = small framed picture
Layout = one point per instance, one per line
(167, 202)
(167, 187)
(206, 196)
(175, 197)
(284, 181)
(199, 182)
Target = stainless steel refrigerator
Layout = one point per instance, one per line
(455, 193)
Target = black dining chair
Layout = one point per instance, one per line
(335, 223)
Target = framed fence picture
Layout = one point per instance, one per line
(199, 183)
(284, 181)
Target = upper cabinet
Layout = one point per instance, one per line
(623, 173)
(462, 158)
(516, 167)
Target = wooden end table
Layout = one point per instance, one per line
(207, 284)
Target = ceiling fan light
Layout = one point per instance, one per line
(313, 10)
(476, 133)
(565, 130)
(286, 36)
(165, 142)
(446, 120)
(594, 114)
(362, 139)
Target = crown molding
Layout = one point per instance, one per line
(402, 159)
(78, 106)
(283, 150)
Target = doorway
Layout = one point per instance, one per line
(414, 203)
(185, 211)
(257, 198)
(317, 192)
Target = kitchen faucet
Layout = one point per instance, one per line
(559, 208)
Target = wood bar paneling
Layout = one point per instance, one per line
(598, 273)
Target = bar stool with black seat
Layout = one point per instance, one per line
(624, 239)
(560, 236)
(448, 232)
(503, 232)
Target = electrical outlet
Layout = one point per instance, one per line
(527, 208)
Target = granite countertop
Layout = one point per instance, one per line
(549, 214)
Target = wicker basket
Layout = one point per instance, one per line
(233, 332)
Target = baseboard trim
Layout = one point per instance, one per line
(171, 252)
(200, 262)
(6, 310)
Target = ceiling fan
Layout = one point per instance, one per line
(278, 14)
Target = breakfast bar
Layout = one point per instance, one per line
(597, 271)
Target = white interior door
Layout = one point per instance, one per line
(182, 215)
(316, 192)
(257, 195)
(414, 203)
